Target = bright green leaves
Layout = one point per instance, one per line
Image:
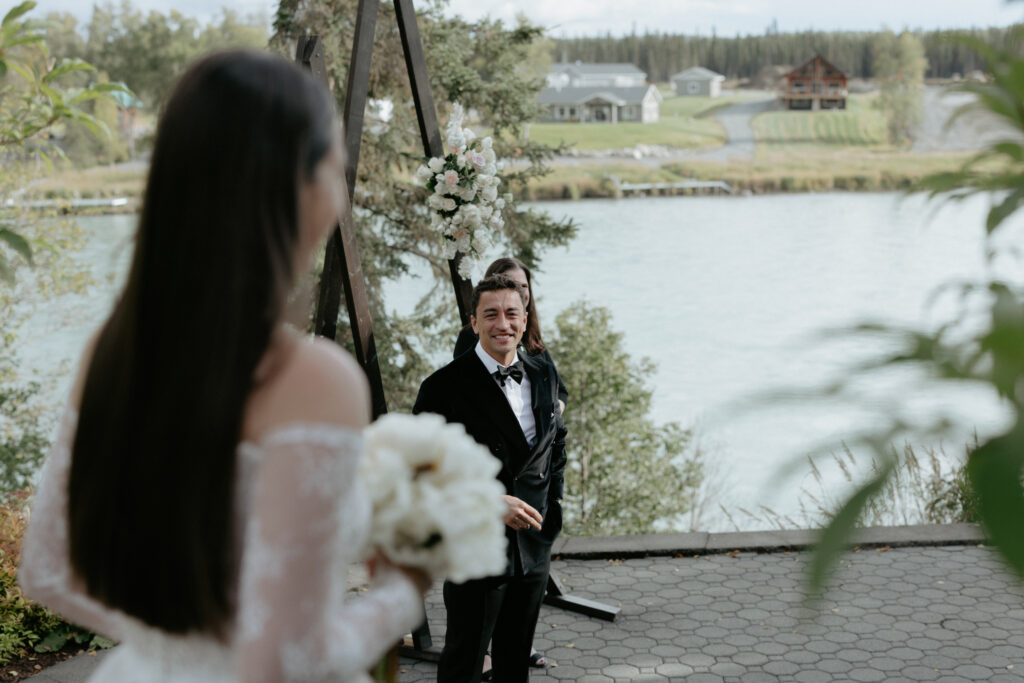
(32, 106)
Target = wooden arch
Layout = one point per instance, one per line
(343, 270)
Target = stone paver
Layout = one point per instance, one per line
(947, 613)
(732, 629)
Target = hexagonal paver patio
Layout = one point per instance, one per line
(894, 614)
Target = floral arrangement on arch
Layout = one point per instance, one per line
(464, 193)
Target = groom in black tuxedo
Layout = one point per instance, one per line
(508, 402)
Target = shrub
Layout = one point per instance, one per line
(23, 623)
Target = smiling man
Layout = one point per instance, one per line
(508, 402)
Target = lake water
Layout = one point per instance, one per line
(728, 295)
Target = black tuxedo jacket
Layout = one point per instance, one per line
(465, 393)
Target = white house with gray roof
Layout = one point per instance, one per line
(580, 75)
(596, 104)
(599, 93)
(698, 81)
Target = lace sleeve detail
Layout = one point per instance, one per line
(307, 523)
(45, 573)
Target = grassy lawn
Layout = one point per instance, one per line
(773, 170)
(684, 123)
(861, 124)
(822, 169)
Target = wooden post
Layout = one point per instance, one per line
(342, 266)
(430, 132)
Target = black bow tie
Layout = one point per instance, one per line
(515, 371)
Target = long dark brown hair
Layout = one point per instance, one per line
(532, 341)
(151, 490)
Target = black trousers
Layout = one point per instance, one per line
(499, 609)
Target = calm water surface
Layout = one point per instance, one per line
(729, 297)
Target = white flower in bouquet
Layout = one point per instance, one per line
(456, 134)
(467, 266)
(436, 502)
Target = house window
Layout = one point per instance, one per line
(572, 111)
(561, 112)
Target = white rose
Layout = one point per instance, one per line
(436, 164)
(449, 249)
(423, 174)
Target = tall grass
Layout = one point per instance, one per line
(922, 490)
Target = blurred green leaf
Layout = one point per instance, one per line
(1004, 209)
(994, 470)
(17, 11)
(66, 67)
(17, 242)
(6, 272)
(835, 538)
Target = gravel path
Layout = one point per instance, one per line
(973, 130)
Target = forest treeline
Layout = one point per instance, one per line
(662, 55)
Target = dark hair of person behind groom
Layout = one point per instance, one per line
(151, 491)
(532, 341)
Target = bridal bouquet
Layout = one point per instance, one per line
(464, 193)
(436, 502)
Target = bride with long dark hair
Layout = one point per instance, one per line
(200, 504)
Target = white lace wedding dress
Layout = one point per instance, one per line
(301, 521)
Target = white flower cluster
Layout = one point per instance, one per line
(464, 194)
(437, 504)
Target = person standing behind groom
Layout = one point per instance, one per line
(509, 403)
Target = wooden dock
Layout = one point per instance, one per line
(68, 203)
(684, 187)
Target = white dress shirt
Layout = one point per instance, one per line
(518, 394)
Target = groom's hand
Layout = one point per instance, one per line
(521, 515)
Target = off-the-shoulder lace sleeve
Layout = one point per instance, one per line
(45, 573)
(307, 522)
